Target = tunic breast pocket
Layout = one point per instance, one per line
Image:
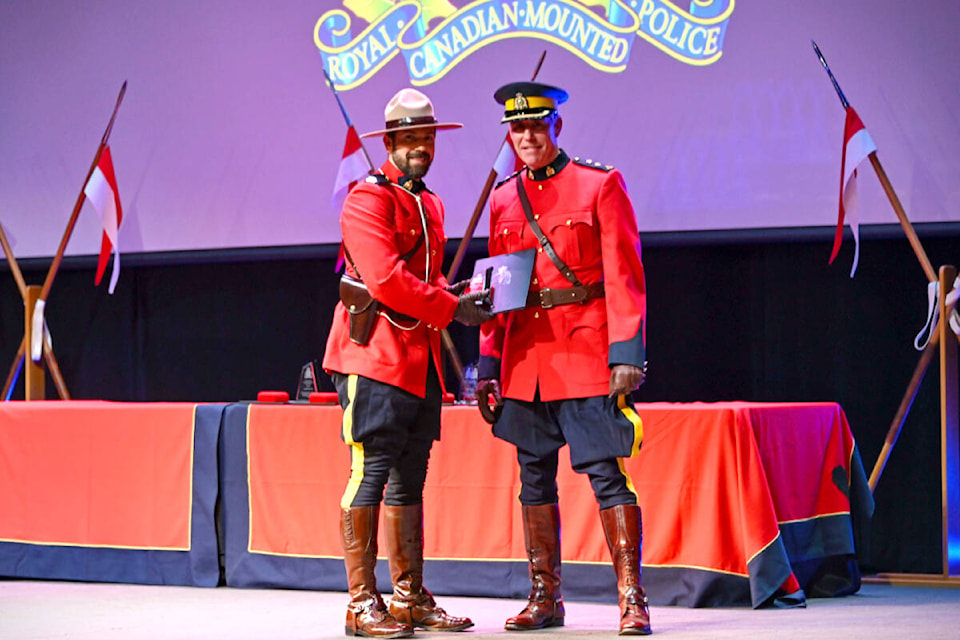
(575, 237)
(508, 236)
(409, 231)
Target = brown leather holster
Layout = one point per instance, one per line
(364, 310)
(361, 306)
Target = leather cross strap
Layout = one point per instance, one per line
(396, 315)
(546, 298)
(544, 241)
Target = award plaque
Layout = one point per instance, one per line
(308, 380)
(507, 276)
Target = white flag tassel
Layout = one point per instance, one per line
(36, 331)
(933, 313)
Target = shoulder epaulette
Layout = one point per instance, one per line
(593, 164)
(377, 178)
(508, 178)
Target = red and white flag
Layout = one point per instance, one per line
(353, 168)
(857, 146)
(101, 191)
(507, 162)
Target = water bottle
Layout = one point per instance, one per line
(468, 390)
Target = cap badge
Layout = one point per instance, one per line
(520, 102)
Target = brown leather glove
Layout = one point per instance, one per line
(458, 287)
(473, 308)
(625, 378)
(487, 387)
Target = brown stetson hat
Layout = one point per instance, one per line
(410, 109)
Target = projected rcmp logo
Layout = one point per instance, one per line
(434, 35)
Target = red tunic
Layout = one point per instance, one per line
(568, 350)
(380, 223)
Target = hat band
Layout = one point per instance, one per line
(410, 122)
(532, 102)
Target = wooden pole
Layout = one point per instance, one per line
(34, 295)
(14, 369)
(53, 366)
(71, 223)
(33, 382)
(14, 267)
(465, 242)
(908, 397)
(471, 226)
(902, 216)
(949, 432)
(481, 201)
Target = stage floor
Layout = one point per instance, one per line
(31, 610)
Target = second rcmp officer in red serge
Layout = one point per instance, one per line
(564, 366)
(383, 353)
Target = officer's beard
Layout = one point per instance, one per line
(415, 170)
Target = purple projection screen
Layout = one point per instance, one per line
(718, 112)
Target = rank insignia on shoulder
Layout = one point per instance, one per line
(508, 178)
(593, 164)
(377, 178)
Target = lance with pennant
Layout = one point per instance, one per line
(885, 182)
(36, 335)
(346, 117)
(467, 237)
(481, 201)
(948, 360)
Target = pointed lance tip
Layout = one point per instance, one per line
(820, 57)
(836, 85)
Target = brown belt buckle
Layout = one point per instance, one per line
(546, 298)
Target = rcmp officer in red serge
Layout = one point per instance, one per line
(564, 367)
(383, 353)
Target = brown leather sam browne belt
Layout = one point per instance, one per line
(547, 298)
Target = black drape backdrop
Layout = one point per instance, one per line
(748, 316)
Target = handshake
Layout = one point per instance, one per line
(472, 308)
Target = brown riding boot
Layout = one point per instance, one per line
(367, 615)
(621, 524)
(412, 603)
(541, 532)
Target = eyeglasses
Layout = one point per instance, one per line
(540, 125)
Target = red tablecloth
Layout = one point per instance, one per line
(717, 484)
(741, 502)
(103, 491)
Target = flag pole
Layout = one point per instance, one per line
(55, 265)
(949, 413)
(887, 185)
(465, 241)
(481, 201)
(346, 117)
(14, 267)
(36, 337)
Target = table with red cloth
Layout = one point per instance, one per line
(743, 504)
(109, 492)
